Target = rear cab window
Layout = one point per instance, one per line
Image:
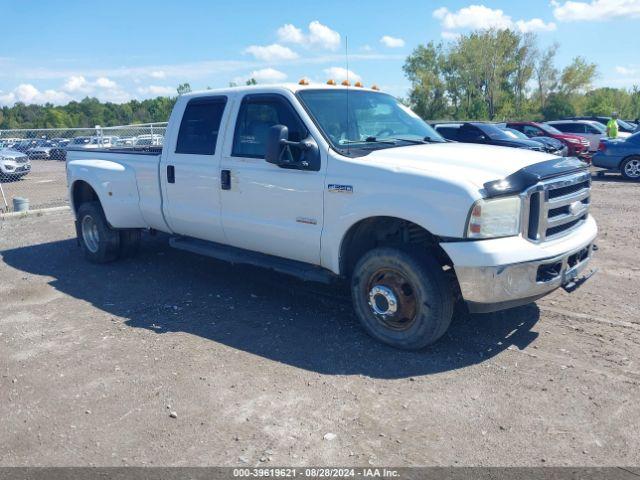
(200, 126)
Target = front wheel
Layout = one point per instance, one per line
(630, 168)
(401, 298)
(100, 243)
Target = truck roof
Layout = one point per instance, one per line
(272, 88)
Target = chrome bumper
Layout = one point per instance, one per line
(488, 289)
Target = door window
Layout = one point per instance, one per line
(200, 126)
(530, 131)
(258, 113)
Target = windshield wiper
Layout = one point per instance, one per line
(368, 140)
(417, 141)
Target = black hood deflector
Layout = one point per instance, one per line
(532, 174)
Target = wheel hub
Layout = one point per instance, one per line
(392, 299)
(90, 234)
(382, 300)
(632, 168)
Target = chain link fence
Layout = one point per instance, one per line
(32, 162)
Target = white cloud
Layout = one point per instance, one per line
(392, 42)
(319, 36)
(290, 34)
(158, 91)
(595, 10)
(104, 82)
(450, 35)
(480, 17)
(268, 75)
(535, 25)
(626, 70)
(29, 94)
(271, 53)
(157, 74)
(339, 74)
(76, 83)
(473, 17)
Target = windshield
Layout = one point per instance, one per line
(362, 119)
(624, 124)
(493, 132)
(515, 133)
(598, 126)
(549, 129)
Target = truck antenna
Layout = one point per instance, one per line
(346, 55)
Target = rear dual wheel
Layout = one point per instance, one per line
(402, 298)
(99, 241)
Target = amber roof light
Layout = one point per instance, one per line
(331, 81)
(345, 83)
(303, 81)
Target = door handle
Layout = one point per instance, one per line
(225, 179)
(171, 174)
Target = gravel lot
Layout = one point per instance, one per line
(45, 186)
(261, 369)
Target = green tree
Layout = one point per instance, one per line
(183, 88)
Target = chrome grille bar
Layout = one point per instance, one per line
(557, 206)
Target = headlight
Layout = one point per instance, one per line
(492, 218)
(573, 140)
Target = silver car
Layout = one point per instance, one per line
(13, 165)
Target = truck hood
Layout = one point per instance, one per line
(464, 162)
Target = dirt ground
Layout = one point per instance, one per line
(261, 369)
(45, 186)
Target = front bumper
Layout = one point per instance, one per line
(503, 273)
(488, 289)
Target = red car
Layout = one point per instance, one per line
(578, 146)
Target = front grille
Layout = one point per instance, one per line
(21, 160)
(556, 207)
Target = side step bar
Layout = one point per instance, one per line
(302, 270)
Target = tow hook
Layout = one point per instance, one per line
(576, 283)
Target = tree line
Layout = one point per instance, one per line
(502, 74)
(483, 75)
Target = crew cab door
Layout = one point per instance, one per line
(190, 169)
(267, 208)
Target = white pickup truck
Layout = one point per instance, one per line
(327, 182)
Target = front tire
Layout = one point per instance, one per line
(100, 243)
(630, 168)
(401, 298)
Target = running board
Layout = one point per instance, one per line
(302, 270)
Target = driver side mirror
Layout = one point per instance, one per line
(276, 136)
(278, 150)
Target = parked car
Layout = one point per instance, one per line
(592, 131)
(13, 164)
(148, 140)
(620, 155)
(578, 146)
(623, 126)
(78, 142)
(485, 134)
(325, 182)
(550, 145)
(41, 150)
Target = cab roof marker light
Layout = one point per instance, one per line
(375, 87)
(358, 84)
(303, 81)
(345, 83)
(331, 81)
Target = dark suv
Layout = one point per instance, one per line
(484, 133)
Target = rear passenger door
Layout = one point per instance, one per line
(190, 171)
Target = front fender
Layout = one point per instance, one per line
(116, 187)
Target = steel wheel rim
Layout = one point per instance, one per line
(90, 234)
(392, 299)
(632, 168)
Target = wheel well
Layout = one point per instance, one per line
(387, 231)
(83, 192)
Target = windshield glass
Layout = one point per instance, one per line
(598, 126)
(549, 129)
(361, 119)
(493, 132)
(624, 124)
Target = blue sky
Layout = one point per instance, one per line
(117, 50)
